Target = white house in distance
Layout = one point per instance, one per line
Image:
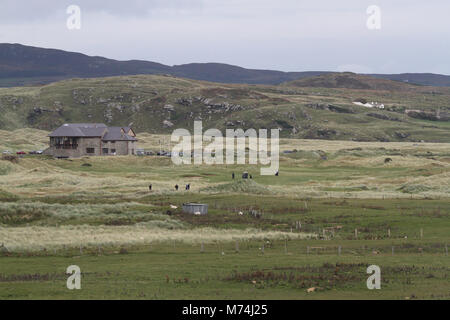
(369, 104)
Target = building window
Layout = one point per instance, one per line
(90, 150)
(64, 142)
(105, 150)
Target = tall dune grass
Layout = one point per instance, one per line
(38, 238)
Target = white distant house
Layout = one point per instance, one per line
(370, 104)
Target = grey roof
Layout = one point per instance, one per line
(92, 130)
(86, 125)
(116, 133)
(66, 131)
(80, 130)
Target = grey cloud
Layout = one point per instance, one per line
(289, 35)
(35, 10)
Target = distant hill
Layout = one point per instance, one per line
(25, 65)
(159, 104)
(18, 61)
(426, 79)
(350, 80)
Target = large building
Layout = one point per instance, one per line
(73, 140)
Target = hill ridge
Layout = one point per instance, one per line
(28, 65)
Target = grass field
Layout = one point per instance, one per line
(131, 243)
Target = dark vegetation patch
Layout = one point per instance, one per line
(331, 276)
(22, 215)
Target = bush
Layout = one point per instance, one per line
(7, 196)
(11, 158)
(414, 188)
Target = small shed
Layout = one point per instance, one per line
(245, 175)
(195, 208)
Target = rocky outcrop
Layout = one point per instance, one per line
(427, 115)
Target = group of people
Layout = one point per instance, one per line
(188, 186)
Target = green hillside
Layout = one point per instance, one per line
(159, 104)
(350, 80)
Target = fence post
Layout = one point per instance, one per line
(392, 250)
(421, 233)
(389, 233)
(307, 250)
(339, 250)
(81, 249)
(446, 250)
(356, 233)
(237, 246)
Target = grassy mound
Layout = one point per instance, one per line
(414, 188)
(239, 186)
(7, 196)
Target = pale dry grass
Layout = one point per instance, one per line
(23, 140)
(32, 176)
(336, 145)
(39, 238)
(34, 139)
(130, 175)
(378, 161)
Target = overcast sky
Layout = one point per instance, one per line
(289, 35)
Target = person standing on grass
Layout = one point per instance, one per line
(176, 187)
(232, 176)
(150, 187)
